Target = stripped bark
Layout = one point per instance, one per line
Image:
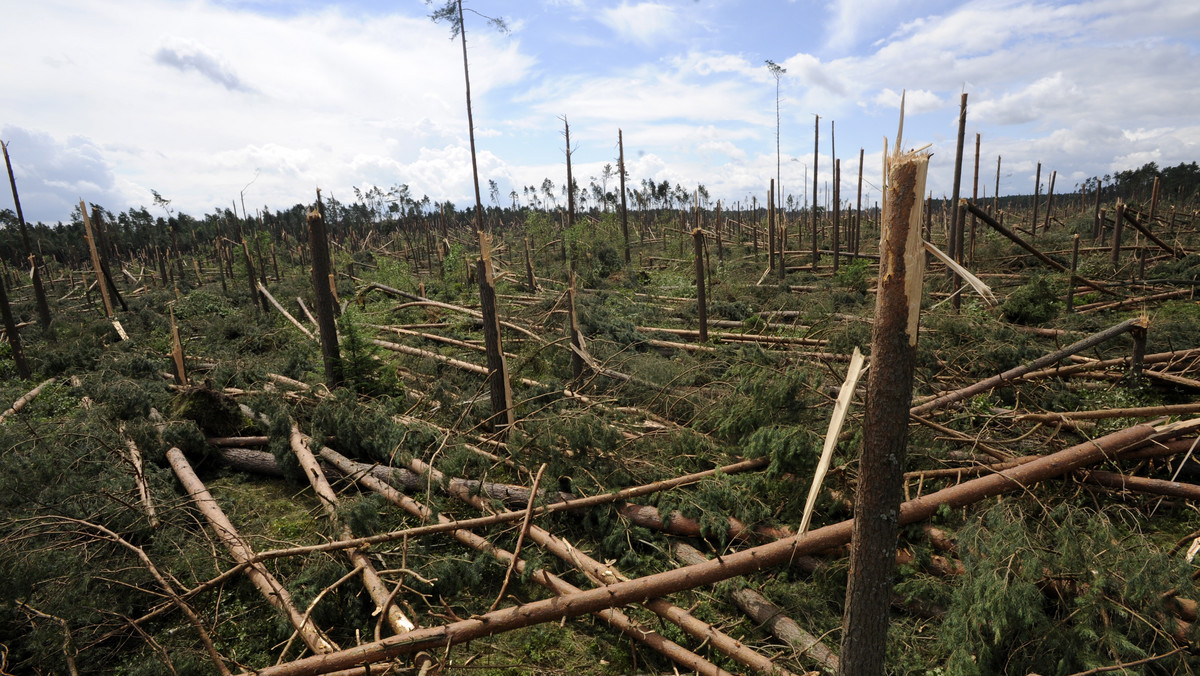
(715, 570)
(275, 593)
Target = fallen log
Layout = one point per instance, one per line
(732, 565)
(275, 593)
(1009, 376)
(602, 574)
(371, 581)
(983, 216)
(25, 399)
(1106, 413)
(769, 615)
(557, 585)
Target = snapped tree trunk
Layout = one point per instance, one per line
(318, 242)
(885, 419)
(497, 367)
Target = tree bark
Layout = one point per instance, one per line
(497, 368)
(885, 419)
(621, 171)
(318, 243)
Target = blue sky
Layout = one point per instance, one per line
(203, 100)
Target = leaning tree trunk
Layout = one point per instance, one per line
(885, 420)
(38, 291)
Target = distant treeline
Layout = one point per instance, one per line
(1178, 185)
(138, 233)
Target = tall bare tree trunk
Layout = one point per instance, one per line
(885, 419)
(570, 181)
(621, 171)
(816, 155)
(956, 225)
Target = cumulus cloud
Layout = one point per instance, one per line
(53, 175)
(184, 56)
(644, 22)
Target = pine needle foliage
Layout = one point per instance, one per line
(1040, 586)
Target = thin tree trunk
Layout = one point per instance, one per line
(1050, 202)
(955, 192)
(621, 171)
(1037, 191)
(816, 156)
(701, 295)
(462, 28)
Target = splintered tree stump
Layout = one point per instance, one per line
(885, 419)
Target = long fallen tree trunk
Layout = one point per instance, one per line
(374, 585)
(602, 574)
(557, 585)
(716, 570)
(1012, 374)
(275, 593)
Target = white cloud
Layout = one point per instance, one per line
(187, 55)
(644, 22)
